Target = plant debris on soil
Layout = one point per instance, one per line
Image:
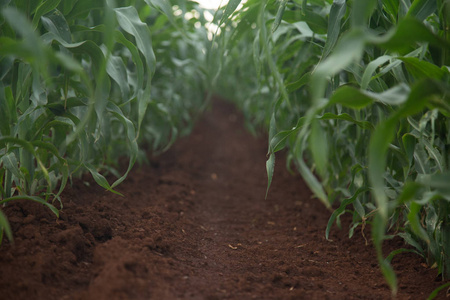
(194, 224)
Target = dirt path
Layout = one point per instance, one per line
(195, 225)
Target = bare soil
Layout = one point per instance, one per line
(194, 224)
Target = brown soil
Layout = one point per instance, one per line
(194, 224)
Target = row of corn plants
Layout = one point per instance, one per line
(358, 92)
(85, 82)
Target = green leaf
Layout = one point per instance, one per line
(293, 86)
(229, 9)
(100, 179)
(435, 155)
(389, 276)
(5, 117)
(371, 68)
(411, 241)
(361, 12)
(63, 166)
(445, 233)
(347, 117)
(42, 9)
(131, 136)
(312, 182)
(318, 144)
(270, 167)
(116, 69)
(439, 182)
(120, 38)
(31, 43)
(421, 159)
(272, 129)
(315, 21)
(339, 211)
(57, 24)
(396, 95)
(128, 19)
(82, 8)
(11, 164)
(409, 143)
(32, 198)
(391, 6)
(414, 221)
(420, 94)
(277, 143)
(66, 6)
(279, 16)
(378, 235)
(348, 50)
(421, 9)
(4, 227)
(399, 251)
(163, 6)
(436, 292)
(378, 146)
(409, 32)
(350, 97)
(22, 143)
(420, 69)
(337, 12)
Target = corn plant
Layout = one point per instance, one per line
(83, 82)
(358, 93)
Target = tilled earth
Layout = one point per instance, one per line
(194, 224)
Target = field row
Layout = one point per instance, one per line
(357, 91)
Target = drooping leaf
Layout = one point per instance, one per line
(100, 179)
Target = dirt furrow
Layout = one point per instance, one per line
(194, 224)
